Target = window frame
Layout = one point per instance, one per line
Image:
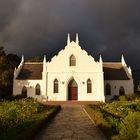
(108, 89)
(55, 86)
(72, 60)
(89, 86)
(37, 89)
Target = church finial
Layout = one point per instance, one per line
(68, 39)
(22, 59)
(44, 61)
(100, 59)
(77, 39)
(123, 61)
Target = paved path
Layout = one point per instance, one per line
(71, 123)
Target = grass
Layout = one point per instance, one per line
(21, 119)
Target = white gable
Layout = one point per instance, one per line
(84, 62)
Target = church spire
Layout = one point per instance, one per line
(123, 61)
(68, 39)
(22, 59)
(100, 59)
(44, 64)
(44, 61)
(77, 39)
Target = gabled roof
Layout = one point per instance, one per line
(31, 71)
(114, 71)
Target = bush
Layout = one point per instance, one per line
(122, 98)
(129, 128)
(99, 120)
(20, 119)
(132, 97)
(17, 111)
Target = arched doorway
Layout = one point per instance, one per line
(121, 91)
(24, 92)
(72, 90)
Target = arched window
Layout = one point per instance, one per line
(89, 86)
(55, 89)
(121, 91)
(37, 89)
(72, 60)
(24, 92)
(108, 89)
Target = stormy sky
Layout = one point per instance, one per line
(38, 27)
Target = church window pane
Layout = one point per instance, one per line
(121, 91)
(108, 89)
(89, 86)
(72, 60)
(55, 86)
(37, 89)
(24, 92)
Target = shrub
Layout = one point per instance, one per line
(17, 111)
(130, 127)
(99, 120)
(135, 96)
(122, 98)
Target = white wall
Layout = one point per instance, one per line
(81, 79)
(115, 86)
(30, 85)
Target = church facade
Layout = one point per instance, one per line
(73, 75)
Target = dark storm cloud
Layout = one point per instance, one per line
(38, 27)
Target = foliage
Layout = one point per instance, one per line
(122, 98)
(17, 111)
(129, 128)
(7, 64)
(122, 116)
(99, 120)
(135, 96)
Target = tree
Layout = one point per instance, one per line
(7, 66)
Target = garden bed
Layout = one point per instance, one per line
(117, 120)
(21, 119)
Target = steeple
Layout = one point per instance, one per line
(130, 70)
(44, 61)
(68, 39)
(22, 59)
(77, 39)
(44, 64)
(123, 61)
(100, 59)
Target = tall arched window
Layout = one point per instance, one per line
(121, 91)
(108, 89)
(37, 89)
(72, 60)
(89, 86)
(24, 92)
(55, 89)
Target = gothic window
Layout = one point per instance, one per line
(72, 60)
(24, 92)
(37, 89)
(89, 86)
(55, 86)
(108, 89)
(121, 91)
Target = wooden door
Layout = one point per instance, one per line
(72, 95)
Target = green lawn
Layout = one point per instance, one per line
(21, 119)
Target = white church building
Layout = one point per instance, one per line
(73, 75)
